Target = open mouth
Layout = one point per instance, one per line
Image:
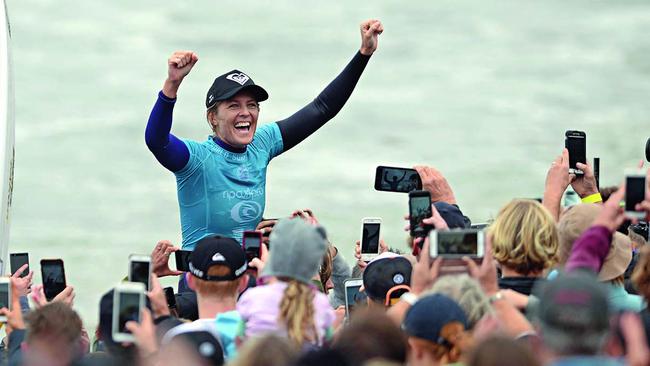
(243, 126)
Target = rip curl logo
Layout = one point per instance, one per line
(239, 78)
(246, 194)
(246, 211)
(218, 257)
(211, 98)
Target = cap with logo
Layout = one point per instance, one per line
(387, 272)
(229, 84)
(203, 338)
(213, 250)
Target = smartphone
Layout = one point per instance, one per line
(128, 301)
(576, 143)
(140, 269)
(635, 186)
(53, 276)
(597, 172)
(352, 287)
(170, 297)
(5, 296)
(647, 150)
(479, 226)
(456, 243)
(419, 209)
(252, 244)
(182, 260)
(370, 230)
(18, 260)
(392, 179)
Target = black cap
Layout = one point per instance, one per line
(205, 344)
(384, 273)
(213, 250)
(231, 83)
(430, 315)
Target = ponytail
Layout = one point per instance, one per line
(297, 313)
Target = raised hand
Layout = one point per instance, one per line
(160, 259)
(612, 214)
(370, 31)
(434, 182)
(23, 284)
(179, 64)
(585, 185)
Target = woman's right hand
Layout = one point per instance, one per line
(179, 65)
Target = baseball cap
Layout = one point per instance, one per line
(452, 215)
(576, 221)
(431, 316)
(201, 337)
(213, 250)
(231, 83)
(384, 273)
(298, 250)
(573, 303)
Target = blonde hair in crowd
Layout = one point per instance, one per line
(297, 312)
(524, 237)
(467, 292)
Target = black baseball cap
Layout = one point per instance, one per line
(213, 250)
(231, 83)
(427, 318)
(384, 273)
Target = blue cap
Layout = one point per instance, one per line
(428, 317)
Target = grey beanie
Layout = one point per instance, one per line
(296, 250)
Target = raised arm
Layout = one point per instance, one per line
(330, 101)
(167, 148)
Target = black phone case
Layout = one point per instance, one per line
(415, 230)
(379, 172)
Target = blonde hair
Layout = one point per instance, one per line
(269, 349)
(297, 312)
(217, 289)
(524, 237)
(467, 292)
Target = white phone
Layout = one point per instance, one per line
(635, 186)
(5, 296)
(128, 301)
(140, 269)
(352, 287)
(456, 243)
(370, 234)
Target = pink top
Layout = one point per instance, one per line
(259, 307)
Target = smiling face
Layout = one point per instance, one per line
(234, 121)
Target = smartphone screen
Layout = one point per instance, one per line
(351, 298)
(420, 209)
(4, 295)
(457, 243)
(252, 242)
(397, 179)
(170, 297)
(182, 260)
(577, 146)
(17, 260)
(634, 191)
(129, 309)
(140, 272)
(53, 278)
(370, 238)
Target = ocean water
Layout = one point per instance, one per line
(481, 90)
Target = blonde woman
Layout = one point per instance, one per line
(288, 303)
(525, 243)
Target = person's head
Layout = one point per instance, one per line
(371, 334)
(265, 350)
(53, 335)
(296, 255)
(232, 106)
(123, 353)
(436, 327)
(491, 352)
(386, 278)
(218, 269)
(641, 274)
(524, 237)
(465, 291)
(576, 221)
(199, 346)
(573, 314)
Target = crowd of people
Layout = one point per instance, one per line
(557, 284)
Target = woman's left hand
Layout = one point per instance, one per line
(370, 31)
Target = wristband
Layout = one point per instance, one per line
(593, 198)
(409, 298)
(496, 297)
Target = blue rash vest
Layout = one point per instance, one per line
(223, 192)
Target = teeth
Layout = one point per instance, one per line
(242, 124)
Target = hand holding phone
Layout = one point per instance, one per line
(419, 209)
(182, 260)
(635, 190)
(352, 287)
(456, 243)
(18, 260)
(5, 296)
(392, 179)
(252, 243)
(140, 269)
(128, 302)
